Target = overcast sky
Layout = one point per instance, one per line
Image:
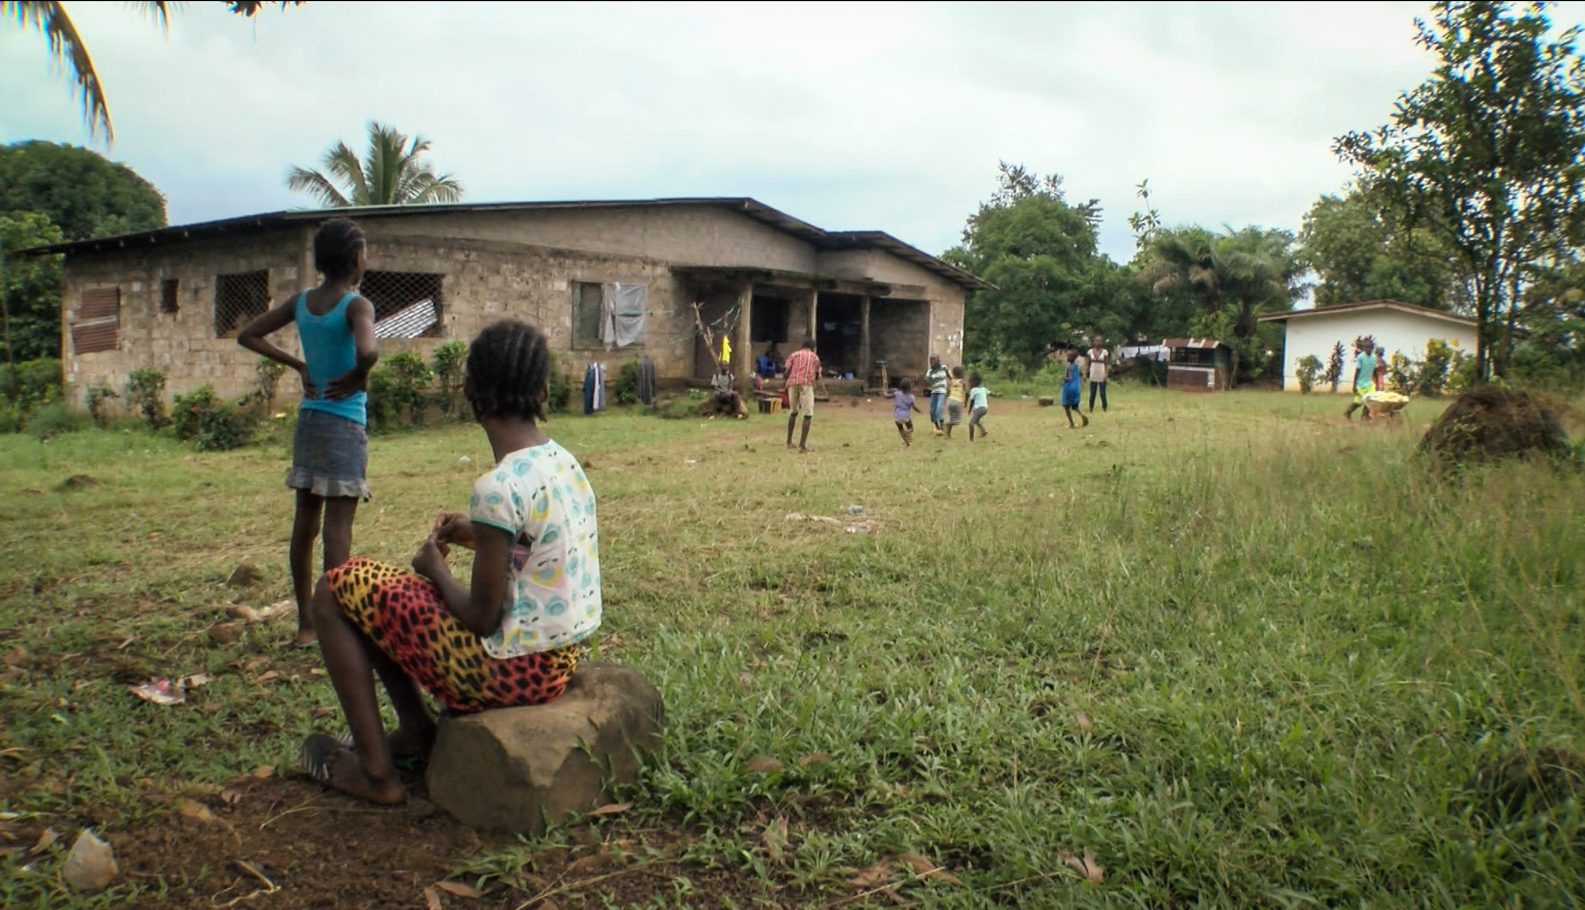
(851, 116)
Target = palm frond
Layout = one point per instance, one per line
(69, 51)
(318, 185)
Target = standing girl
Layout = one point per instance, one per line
(330, 451)
(510, 636)
(979, 398)
(957, 399)
(1070, 390)
(903, 409)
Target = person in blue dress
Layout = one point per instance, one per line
(1070, 391)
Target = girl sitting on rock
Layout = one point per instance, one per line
(511, 636)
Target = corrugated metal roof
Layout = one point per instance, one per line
(1398, 305)
(1204, 344)
(751, 208)
(410, 321)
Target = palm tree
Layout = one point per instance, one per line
(390, 174)
(67, 46)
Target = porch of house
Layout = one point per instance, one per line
(861, 333)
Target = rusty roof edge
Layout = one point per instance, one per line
(744, 205)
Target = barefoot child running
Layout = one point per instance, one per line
(903, 409)
(1071, 379)
(979, 403)
(510, 636)
(330, 451)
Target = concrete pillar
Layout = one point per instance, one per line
(744, 361)
(305, 264)
(814, 318)
(863, 372)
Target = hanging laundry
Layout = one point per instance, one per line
(594, 388)
(646, 380)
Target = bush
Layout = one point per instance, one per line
(31, 383)
(449, 361)
(12, 420)
(98, 394)
(267, 381)
(201, 417)
(396, 390)
(560, 385)
(625, 389)
(55, 419)
(1334, 366)
(1433, 376)
(146, 393)
(1308, 371)
(1400, 374)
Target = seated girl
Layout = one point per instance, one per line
(510, 637)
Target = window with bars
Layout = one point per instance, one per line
(238, 298)
(96, 326)
(406, 304)
(168, 299)
(586, 301)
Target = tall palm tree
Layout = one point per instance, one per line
(52, 21)
(390, 174)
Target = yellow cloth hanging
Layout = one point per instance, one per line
(726, 350)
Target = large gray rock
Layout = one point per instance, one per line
(518, 769)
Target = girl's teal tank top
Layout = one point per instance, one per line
(329, 351)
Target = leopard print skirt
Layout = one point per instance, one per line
(405, 616)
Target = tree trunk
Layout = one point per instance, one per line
(1513, 320)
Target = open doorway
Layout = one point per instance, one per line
(838, 334)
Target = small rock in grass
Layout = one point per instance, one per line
(78, 481)
(91, 865)
(243, 575)
(763, 764)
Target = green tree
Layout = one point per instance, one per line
(1051, 284)
(30, 316)
(1359, 254)
(1231, 278)
(81, 191)
(52, 21)
(1486, 153)
(390, 174)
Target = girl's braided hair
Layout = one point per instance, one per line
(336, 246)
(509, 371)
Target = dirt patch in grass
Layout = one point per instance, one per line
(1490, 422)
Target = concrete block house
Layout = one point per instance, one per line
(175, 298)
(1400, 328)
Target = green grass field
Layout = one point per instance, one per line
(1235, 651)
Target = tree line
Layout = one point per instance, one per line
(1468, 199)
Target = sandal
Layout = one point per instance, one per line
(317, 751)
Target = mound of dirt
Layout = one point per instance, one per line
(1490, 422)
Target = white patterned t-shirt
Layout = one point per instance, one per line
(541, 497)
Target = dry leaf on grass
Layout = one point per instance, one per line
(263, 772)
(192, 810)
(459, 889)
(267, 676)
(432, 899)
(1087, 867)
(1083, 720)
(873, 876)
(231, 796)
(763, 764)
(924, 868)
(195, 680)
(46, 839)
(814, 759)
(612, 809)
(775, 838)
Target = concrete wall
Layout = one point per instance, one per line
(183, 344)
(1397, 331)
(495, 264)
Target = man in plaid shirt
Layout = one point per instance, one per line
(803, 367)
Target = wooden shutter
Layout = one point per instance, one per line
(97, 324)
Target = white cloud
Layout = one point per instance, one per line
(884, 116)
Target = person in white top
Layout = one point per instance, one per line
(1100, 360)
